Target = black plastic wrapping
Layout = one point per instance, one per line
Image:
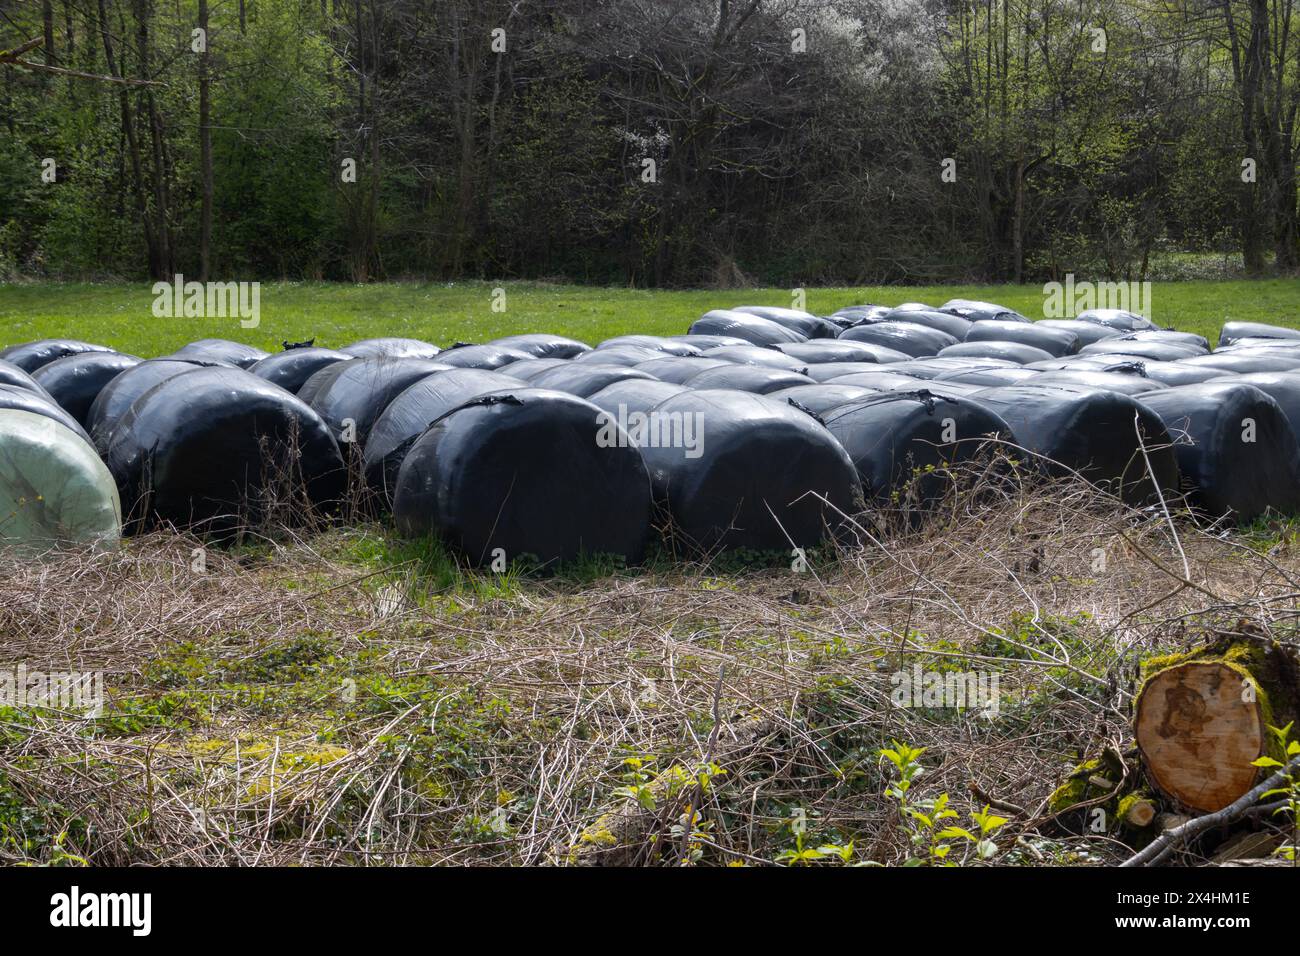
(209, 448)
(759, 466)
(752, 355)
(1156, 351)
(1236, 448)
(360, 391)
(877, 378)
(1169, 336)
(529, 369)
(531, 472)
(1239, 361)
(832, 350)
(805, 323)
(633, 395)
(1230, 332)
(949, 322)
(625, 355)
(116, 397)
(1282, 387)
(1098, 434)
(897, 440)
(742, 325)
(656, 343)
(748, 378)
(222, 350)
(914, 340)
(543, 345)
(989, 377)
(11, 374)
(414, 410)
(291, 368)
(584, 380)
(74, 381)
(1088, 332)
(1054, 342)
(391, 348)
(487, 357)
(1118, 319)
(703, 342)
(1016, 352)
(1181, 373)
(679, 370)
(27, 400)
(978, 311)
(929, 368)
(1092, 378)
(29, 356)
(820, 398)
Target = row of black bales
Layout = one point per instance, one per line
(761, 428)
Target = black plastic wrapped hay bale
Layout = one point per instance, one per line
(742, 325)
(1155, 351)
(1054, 342)
(873, 378)
(29, 356)
(1100, 435)
(679, 369)
(291, 368)
(805, 323)
(1231, 332)
(825, 371)
(625, 355)
(531, 472)
(656, 343)
(487, 357)
(989, 377)
(1172, 337)
(357, 392)
(1244, 361)
(222, 350)
(824, 351)
(543, 345)
(529, 369)
(414, 410)
(949, 322)
(54, 489)
(901, 442)
(1016, 352)
(738, 470)
(1236, 449)
(38, 403)
(753, 355)
(1119, 319)
(75, 381)
(817, 399)
(218, 449)
(583, 380)
(931, 368)
(1175, 373)
(702, 342)
(391, 347)
(978, 311)
(1283, 387)
(11, 374)
(914, 340)
(1087, 332)
(117, 396)
(748, 378)
(633, 395)
(1092, 378)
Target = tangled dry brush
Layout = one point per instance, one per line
(314, 700)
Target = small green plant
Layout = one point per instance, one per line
(802, 854)
(1289, 792)
(933, 838)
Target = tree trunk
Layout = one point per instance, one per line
(205, 148)
(1203, 718)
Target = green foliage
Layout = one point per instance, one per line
(1289, 793)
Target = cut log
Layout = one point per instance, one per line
(1202, 718)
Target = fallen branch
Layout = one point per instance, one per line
(1167, 842)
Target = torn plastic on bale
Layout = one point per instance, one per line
(216, 449)
(530, 472)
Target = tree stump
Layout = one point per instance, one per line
(1202, 718)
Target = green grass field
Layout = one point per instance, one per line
(120, 314)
